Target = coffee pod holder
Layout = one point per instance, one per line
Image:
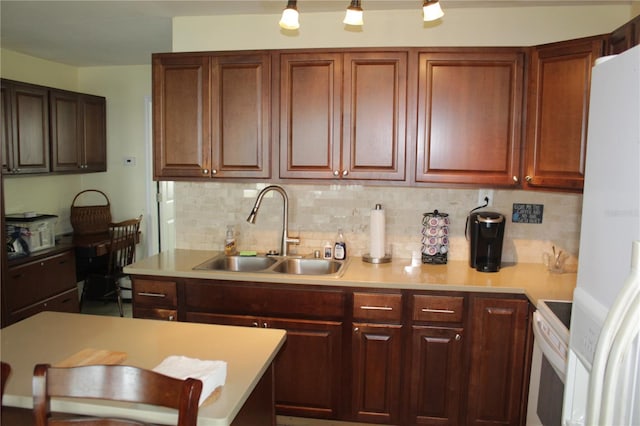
(435, 237)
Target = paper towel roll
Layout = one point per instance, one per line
(376, 241)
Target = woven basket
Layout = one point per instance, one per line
(87, 220)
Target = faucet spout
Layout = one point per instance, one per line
(286, 239)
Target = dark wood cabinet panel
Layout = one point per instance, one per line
(46, 283)
(181, 116)
(241, 95)
(436, 376)
(376, 372)
(78, 132)
(557, 113)
(343, 115)
(25, 128)
(624, 37)
(212, 115)
(497, 371)
(469, 117)
(310, 114)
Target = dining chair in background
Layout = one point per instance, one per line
(123, 237)
(112, 383)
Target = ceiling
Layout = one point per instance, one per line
(97, 32)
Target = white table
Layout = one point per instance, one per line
(51, 337)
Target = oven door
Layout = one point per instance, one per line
(548, 370)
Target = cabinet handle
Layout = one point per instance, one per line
(515, 179)
(458, 337)
(205, 171)
(255, 324)
(356, 329)
(528, 179)
(214, 171)
(438, 311)
(336, 173)
(265, 325)
(376, 308)
(170, 318)
(144, 293)
(345, 172)
(41, 263)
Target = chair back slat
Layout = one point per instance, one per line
(122, 245)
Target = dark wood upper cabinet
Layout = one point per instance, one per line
(78, 132)
(557, 113)
(343, 115)
(24, 130)
(624, 37)
(469, 116)
(212, 115)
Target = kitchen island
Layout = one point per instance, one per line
(530, 279)
(51, 337)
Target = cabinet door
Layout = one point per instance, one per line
(182, 116)
(310, 115)
(377, 349)
(241, 94)
(469, 117)
(94, 133)
(436, 376)
(6, 133)
(558, 109)
(28, 134)
(374, 116)
(66, 131)
(497, 371)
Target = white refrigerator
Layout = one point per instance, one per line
(603, 372)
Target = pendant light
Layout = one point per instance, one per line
(289, 20)
(432, 10)
(354, 14)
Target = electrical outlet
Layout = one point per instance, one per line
(485, 193)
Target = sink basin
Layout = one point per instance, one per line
(237, 263)
(308, 266)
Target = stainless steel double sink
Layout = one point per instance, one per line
(274, 264)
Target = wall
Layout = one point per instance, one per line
(204, 209)
(125, 88)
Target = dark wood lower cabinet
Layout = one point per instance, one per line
(498, 361)
(436, 376)
(377, 368)
(400, 357)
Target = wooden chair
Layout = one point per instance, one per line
(115, 383)
(123, 237)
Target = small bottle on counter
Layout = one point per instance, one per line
(340, 247)
(230, 242)
(327, 250)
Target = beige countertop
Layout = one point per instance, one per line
(51, 337)
(531, 279)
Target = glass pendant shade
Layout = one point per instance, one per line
(432, 10)
(289, 19)
(354, 14)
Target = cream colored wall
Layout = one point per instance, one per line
(204, 209)
(125, 89)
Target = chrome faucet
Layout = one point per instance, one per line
(286, 240)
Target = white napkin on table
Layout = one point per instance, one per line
(212, 373)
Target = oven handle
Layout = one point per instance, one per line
(556, 358)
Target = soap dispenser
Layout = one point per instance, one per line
(340, 247)
(230, 242)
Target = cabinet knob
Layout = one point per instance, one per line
(336, 173)
(265, 325)
(255, 324)
(205, 171)
(528, 179)
(515, 179)
(345, 172)
(214, 171)
(170, 318)
(356, 329)
(458, 337)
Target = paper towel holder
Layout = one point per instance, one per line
(370, 259)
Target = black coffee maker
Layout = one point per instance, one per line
(486, 231)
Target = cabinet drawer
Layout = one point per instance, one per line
(67, 301)
(155, 293)
(155, 313)
(377, 306)
(438, 308)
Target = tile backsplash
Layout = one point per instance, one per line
(203, 211)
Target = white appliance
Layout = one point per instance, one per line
(549, 362)
(604, 346)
